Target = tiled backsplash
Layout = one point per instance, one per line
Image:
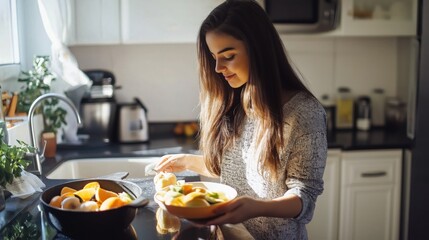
(165, 76)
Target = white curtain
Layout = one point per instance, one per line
(56, 17)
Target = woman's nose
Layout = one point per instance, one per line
(219, 67)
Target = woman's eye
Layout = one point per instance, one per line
(229, 57)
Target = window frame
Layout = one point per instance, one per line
(12, 69)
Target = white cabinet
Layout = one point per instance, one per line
(370, 195)
(96, 22)
(324, 225)
(163, 21)
(379, 17)
(166, 21)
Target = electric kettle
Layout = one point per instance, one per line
(133, 122)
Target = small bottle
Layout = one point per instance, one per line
(3, 128)
(345, 109)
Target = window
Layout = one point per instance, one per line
(8, 33)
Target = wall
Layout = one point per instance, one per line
(165, 76)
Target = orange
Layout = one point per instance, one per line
(112, 202)
(102, 194)
(95, 185)
(85, 194)
(67, 190)
(56, 201)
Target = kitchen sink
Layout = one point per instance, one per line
(95, 167)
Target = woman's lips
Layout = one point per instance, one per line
(229, 77)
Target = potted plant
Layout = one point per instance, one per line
(12, 162)
(37, 82)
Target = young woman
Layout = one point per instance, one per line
(262, 131)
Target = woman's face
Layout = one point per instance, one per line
(231, 58)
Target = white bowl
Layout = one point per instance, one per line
(199, 212)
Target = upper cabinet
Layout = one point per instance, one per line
(378, 18)
(95, 22)
(166, 21)
(163, 21)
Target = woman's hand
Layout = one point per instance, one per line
(237, 211)
(172, 163)
(182, 162)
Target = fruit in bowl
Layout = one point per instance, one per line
(102, 224)
(194, 200)
(92, 197)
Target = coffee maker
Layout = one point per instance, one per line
(98, 108)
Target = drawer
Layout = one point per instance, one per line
(371, 169)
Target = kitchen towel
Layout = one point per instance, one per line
(25, 185)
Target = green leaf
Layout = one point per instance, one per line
(12, 161)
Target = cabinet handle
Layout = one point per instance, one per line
(374, 174)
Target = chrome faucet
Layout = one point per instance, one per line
(39, 156)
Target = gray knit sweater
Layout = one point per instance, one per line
(301, 169)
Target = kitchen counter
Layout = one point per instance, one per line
(28, 211)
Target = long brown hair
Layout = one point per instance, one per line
(224, 108)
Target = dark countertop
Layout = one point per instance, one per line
(379, 138)
(17, 210)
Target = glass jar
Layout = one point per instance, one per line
(395, 114)
(345, 108)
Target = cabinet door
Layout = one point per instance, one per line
(379, 17)
(324, 225)
(369, 213)
(370, 195)
(97, 22)
(163, 21)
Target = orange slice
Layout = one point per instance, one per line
(95, 185)
(67, 194)
(112, 202)
(85, 194)
(187, 188)
(67, 190)
(102, 194)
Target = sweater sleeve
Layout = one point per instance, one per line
(305, 170)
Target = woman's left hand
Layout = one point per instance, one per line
(237, 211)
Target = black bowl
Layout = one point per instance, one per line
(79, 224)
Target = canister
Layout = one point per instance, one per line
(345, 108)
(396, 114)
